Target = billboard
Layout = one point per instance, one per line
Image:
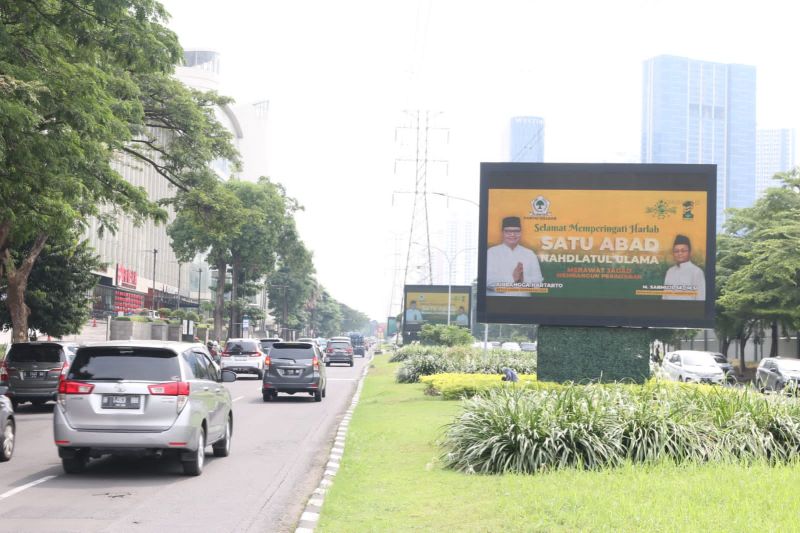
(597, 244)
(427, 304)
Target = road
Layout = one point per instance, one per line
(278, 455)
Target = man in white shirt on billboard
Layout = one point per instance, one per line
(508, 262)
(684, 275)
(413, 314)
(462, 319)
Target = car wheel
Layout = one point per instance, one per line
(194, 466)
(351, 363)
(222, 448)
(324, 391)
(266, 396)
(7, 443)
(76, 464)
(260, 374)
(317, 396)
(14, 404)
(327, 364)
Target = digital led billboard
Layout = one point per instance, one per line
(597, 244)
(427, 304)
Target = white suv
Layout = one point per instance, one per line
(243, 356)
(146, 398)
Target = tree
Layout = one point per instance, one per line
(58, 287)
(353, 320)
(292, 286)
(80, 82)
(764, 269)
(325, 315)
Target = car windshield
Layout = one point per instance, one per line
(698, 359)
(135, 364)
(792, 365)
(34, 353)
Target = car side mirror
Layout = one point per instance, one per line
(228, 376)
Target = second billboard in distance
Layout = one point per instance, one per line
(428, 304)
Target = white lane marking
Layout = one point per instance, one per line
(237, 399)
(23, 487)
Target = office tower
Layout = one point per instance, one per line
(703, 112)
(774, 153)
(527, 140)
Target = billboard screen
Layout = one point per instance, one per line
(605, 244)
(427, 304)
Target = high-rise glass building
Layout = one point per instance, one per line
(775, 152)
(703, 112)
(527, 140)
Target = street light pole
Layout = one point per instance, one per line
(155, 254)
(199, 283)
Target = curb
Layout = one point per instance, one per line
(310, 517)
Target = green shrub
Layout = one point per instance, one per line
(528, 430)
(139, 318)
(178, 314)
(122, 318)
(455, 386)
(465, 360)
(409, 350)
(444, 335)
(191, 315)
(164, 312)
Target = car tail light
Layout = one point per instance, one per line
(252, 354)
(226, 354)
(66, 386)
(3, 372)
(349, 350)
(172, 388)
(330, 350)
(267, 362)
(315, 363)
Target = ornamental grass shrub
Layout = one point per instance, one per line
(464, 360)
(527, 430)
(410, 350)
(455, 386)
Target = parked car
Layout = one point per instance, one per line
(31, 371)
(725, 366)
(511, 346)
(692, 366)
(339, 350)
(143, 398)
(293, 367)
(8, 427)
(243, 356)
(778, 374)
(527, 346)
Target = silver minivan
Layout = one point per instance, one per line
(149, 398)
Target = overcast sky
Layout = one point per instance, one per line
(339, 76)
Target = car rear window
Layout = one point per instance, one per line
(339, 344)
(241, 346)
(293, 352)
(34, 353)
(136, 364)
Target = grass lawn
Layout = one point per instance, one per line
(391, 480)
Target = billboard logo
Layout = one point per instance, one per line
(688, 205)
(661, 209)
(540, 206)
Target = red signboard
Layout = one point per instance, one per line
(126, 278)
(128, 302)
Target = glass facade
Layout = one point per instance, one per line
(775, 152)
(527, 140)
(703, 112)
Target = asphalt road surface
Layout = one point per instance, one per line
(278, 454)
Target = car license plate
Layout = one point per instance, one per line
(292, 372)
(241, 358)
(120, 401)
(34, 374)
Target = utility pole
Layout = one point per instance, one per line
(199, 283)
(179, 285)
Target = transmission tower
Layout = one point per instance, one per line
(420, 124)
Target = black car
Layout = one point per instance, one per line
(31, 371)
(7, 427)
(293, 367)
